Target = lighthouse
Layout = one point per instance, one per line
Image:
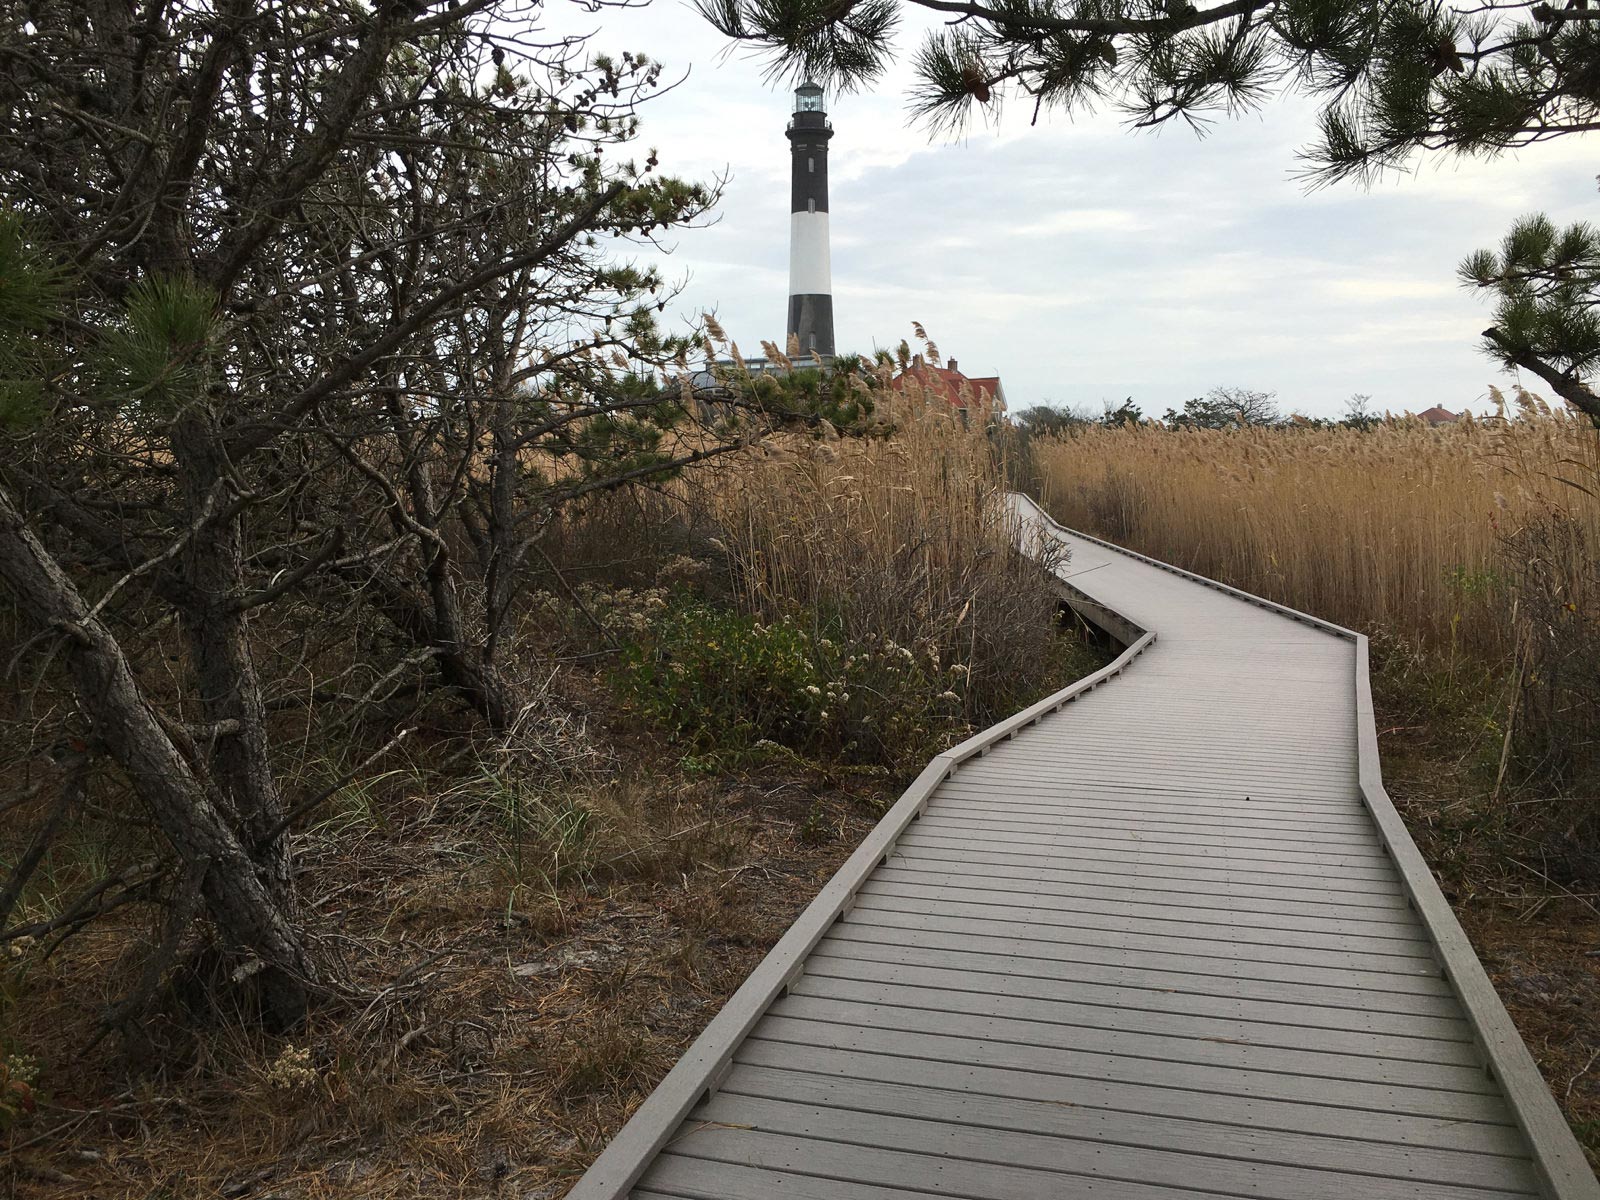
(810, 277)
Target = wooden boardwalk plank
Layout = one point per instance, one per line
(932, 1131)
(955, 800)
(1275, 946)
(1122, 1011)
(1198, 836)
(1335, 862)
(1138, 908)
(975, 1166)
(1197, 876)
(1416, 1134)
(920, 1095)
(1200, 1080)
(1007, 1026)
(1179, 892)
(1159, 935)
(1315, 1014)
(1267, 930)
(1043, 958)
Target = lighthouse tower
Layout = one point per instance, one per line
(810, 277)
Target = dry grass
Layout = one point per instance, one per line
(900, 539)
(1399, 528)
(516, 991)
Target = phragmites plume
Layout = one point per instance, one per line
(770, 349)
(1378, 527)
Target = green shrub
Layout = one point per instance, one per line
(724, 681)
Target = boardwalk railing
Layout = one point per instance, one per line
(1120, 863)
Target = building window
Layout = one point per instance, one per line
(811, 204)
(811, 165)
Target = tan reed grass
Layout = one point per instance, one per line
(898, 537)
(1401, 528)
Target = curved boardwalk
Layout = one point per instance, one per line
(1159, 936)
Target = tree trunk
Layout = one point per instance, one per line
(503, 546)
(250, 914)
(219, 647)
(479, 684)
(430, 612)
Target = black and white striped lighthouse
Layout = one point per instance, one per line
(810, 277)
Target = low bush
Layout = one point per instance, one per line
(728, 681)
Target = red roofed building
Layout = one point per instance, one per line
(975, 400)
(1439, 416)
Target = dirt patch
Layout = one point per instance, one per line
(1548, 973)
(1537, 935)
(498, 1032)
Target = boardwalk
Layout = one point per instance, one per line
(1160, 936)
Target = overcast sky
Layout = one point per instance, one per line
(1082, 261)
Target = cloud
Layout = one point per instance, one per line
(1386, 291)
(1083, 221)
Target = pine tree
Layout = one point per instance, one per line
(1546, 283)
